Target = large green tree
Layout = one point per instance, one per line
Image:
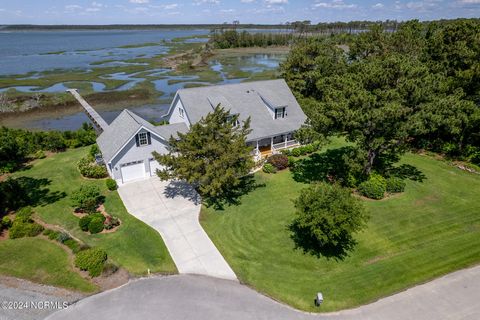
(212, 156)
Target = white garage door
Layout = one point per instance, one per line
(133, 170)
(154, 165)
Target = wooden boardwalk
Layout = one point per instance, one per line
(93, 115)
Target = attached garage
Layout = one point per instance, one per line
(154, 165)
(132, 171)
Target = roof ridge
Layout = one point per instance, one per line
(228, 84)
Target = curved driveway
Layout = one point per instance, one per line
(455, 296)
(172, 208)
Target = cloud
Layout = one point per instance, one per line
(200, 2)
(170, 6)
(72, 8)
(334, 4)
(378, 6)
(227, 10)
(247, 1)
(92, 9)
(139, 1)
(276, 1)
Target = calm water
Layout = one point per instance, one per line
(26, 54)
(30, 51)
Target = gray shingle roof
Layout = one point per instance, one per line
(247, 99)
(122, 129)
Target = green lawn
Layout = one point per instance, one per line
(40, 261)
(134, 246)
(431, 229)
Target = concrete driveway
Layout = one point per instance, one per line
(185, 297)
(172, 208)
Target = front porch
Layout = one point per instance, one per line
(265, 147)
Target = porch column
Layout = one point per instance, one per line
(286, 138)
(271, 144)
(257, 150)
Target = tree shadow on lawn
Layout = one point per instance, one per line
(233, 196)
(27, 191)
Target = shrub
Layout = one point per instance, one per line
(327, 216)
(296, 152)
(62, 237)
(51, 234)
(24, 214)
(72, 244)
(94, 150)
(268, 168)
(291, 161)
(89, 169)
(395, 185)
(87, 198)
(374, 188)
(6, 222)
(22, 229)
(39, 155)
(91, 260)
(84, 221)
(111, 184)
(111, 222)
(96, 223)
(279, 161)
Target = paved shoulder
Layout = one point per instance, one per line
(172, 208)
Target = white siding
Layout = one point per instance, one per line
(131, 153)
(175, 116)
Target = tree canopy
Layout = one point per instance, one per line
(387, 92)
(212, 156)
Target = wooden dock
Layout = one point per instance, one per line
(93, 115)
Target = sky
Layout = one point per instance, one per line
(219, 11)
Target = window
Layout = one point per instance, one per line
(181, 112)
(142, 139)
(280, 113)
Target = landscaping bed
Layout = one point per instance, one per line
(430, 229)
(133, 245)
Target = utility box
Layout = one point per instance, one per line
(319, 299)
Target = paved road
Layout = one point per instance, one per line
(455, 296)
(172, 208)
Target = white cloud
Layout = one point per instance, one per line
(276, 1)
(72, 7)
(200, 2)
(378, 6)
(170, 6)
(334, 4)
(92, 9)
(468, 2)
(227, 10)
(247, 1)
(139, 1)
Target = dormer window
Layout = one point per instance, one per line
(280, 113)
(143, 139)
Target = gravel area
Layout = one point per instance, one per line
(25, 300)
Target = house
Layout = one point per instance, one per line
(128, 142)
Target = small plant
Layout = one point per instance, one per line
(89, 169)
(374, 188)
(111, 184)
(39, 155)
(279, 161)
(296, 152)
(21, 229)
(24, 214)
(73, 245)
(62, 237)
(96, 223)
(111, 222)
(84, 222)
(291, 161)
(109, 269)
(91, 260)
(395, 185)
(269, 168)
(94, 150)
(51, 234)
(6, 222)
(87, 198)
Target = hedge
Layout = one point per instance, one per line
(395, 185)
(374, 188)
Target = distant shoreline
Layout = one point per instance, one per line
(24, 27)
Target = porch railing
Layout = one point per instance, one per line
(285, 144)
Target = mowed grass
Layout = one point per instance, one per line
(431, 229)
(41, 261)
(134, 246)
